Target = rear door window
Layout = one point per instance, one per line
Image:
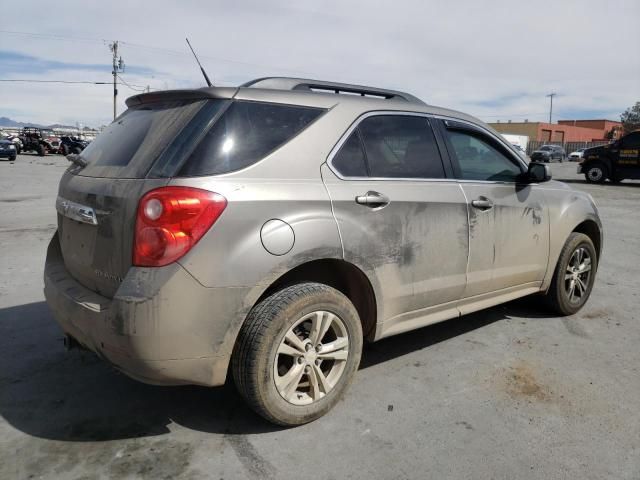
(401, 146)
(244, 134)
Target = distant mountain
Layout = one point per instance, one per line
(7, 122)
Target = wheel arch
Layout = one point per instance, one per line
(341, 275)
(592, 230)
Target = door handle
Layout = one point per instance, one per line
(372, 199)
(482, 203)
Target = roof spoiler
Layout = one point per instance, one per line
(193, 94)
(287, 83)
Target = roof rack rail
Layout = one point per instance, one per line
(287, 83)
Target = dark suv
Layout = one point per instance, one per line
(615, 161)
(71, 145)
(548, 153)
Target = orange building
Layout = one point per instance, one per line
(563, 131)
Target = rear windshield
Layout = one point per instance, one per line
(128, 146)
(244, 134)
(192, 138)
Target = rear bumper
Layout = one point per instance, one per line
(579, 169)
(162, 327)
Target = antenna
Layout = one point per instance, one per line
(206, 78)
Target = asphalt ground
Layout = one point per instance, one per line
(510, 392)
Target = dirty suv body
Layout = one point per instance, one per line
(269, 230)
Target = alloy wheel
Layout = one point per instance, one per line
(311, 358)
(578, 275)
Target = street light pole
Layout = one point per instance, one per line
(551, 95)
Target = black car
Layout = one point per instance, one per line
(8, 150)
(71, 145)
(615, 161)
(548, 153)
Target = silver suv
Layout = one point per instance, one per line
(268, 230)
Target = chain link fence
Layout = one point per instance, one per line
(568, 146)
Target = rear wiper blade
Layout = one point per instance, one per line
(77, 159)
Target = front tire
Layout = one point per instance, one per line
(41, 151)
(596, 173)
(574, 276)
(297, 353)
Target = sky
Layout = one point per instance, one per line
(494, 59)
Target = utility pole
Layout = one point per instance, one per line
(118, 66)
(551, 95)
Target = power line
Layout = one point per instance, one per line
(54, 37)
(29, 80)
(165, 51)
(513, 115)
(132, 85)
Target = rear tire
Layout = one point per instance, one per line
(596, 172)
(77, 150)
(287, 371)
(41, 151)
(574, 275)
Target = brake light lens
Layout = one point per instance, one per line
(170, 221)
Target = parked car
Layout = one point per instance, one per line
(39, 140)
(520, 150)
(577, 155)
(71, 145)
(271, 229)
(8, 150)
(548, 153)
(615, 161)
(17, 143)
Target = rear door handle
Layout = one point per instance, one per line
(372, 199)
(482, 203)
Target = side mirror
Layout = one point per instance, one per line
(538, 172)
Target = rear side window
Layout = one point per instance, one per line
(350, 160)
(244, 134)
(401, 146)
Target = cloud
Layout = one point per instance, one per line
(18, 63)
(494, 59)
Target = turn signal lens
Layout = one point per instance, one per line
(170, 221)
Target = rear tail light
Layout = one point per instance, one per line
(170, 221)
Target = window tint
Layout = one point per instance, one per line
(631, 141)
(479, 160)
(244, 134)
(349, 160)
(401, 146)
(128, 146)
